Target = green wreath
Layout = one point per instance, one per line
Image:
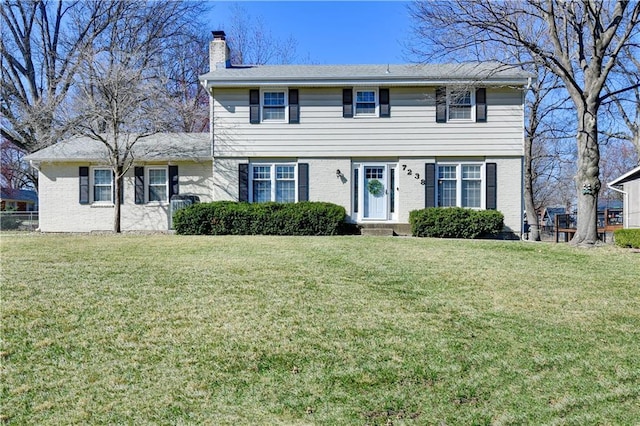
(375, 187)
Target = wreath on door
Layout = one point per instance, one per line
(375, 187)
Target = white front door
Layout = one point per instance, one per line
(375, 192)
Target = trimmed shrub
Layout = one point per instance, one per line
(627, 237)
(233, 218)
(9, 221)
(455, 222)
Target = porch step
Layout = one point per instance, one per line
(377, 232)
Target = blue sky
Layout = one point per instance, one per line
(331, 32)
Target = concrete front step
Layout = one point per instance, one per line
(377, 232)
(385, 229)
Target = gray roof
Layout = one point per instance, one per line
(327, 75)
(158, 147)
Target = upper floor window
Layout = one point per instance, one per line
(102, 185)
(273, 106)
(460, 103)
(365, 102)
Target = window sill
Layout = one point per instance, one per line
(102, 205)
(460, 120)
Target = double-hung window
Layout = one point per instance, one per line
(102, 185)
(273, 182)
(365, 102)
(460, 105)
(158, 186)
(460, 185)
(273, 106)
(471, 186)
(261, 179)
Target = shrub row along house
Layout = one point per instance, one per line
(379, 140)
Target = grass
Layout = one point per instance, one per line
(160, 329)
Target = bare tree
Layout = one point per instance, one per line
(40, 47)
(578, 41)
(545, 127)
(14, 172)
(182, 64)
(118, 105)
(120, 94)
(625, 105)
(43, 42)
(253, 43)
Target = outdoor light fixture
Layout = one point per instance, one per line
(338, 173)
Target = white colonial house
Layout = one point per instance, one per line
(379, 140)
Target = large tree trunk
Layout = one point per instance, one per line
(532, 216)
(587, 178)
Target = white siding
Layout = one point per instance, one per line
(632, 204)
(60, 210)
(410, 131)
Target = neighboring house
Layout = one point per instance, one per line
(548, 217)
(22, 200)
(379, 140)
(629, 185)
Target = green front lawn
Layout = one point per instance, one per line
(165, 329)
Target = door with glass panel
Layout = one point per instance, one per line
(375, 192)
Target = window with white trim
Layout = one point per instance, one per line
(366, 102)
(274, 105)
(460, 105)
(460, 185)
(157, 187)
(273, 182)
(102, 185)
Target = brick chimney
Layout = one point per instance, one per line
(219, 54)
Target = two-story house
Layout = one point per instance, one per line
(380, 140)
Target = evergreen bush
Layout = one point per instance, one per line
(455, 222)
(239, 218)
(627, 237)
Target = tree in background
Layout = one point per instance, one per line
(14, 172)
(579, 41)
(254, 44)
(44, 44)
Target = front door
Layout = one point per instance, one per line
(375, 192)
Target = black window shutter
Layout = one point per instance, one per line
(492, 199)
(347, 103)
(243, 182)
(254, 106)
(174, 181)
(385, 109)
(83, 174)
(441, 105)
(139, 185)
(430, 185)
(303, 182)
(481, 105)
(294, 107)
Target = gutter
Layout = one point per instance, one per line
(275, 82)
